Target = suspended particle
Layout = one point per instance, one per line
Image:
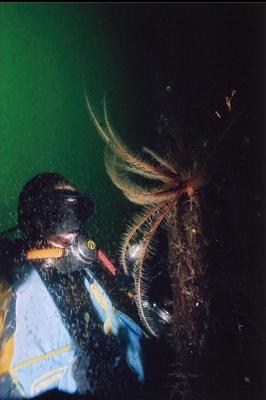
(205, 143)
(86, 317)
(218, 115)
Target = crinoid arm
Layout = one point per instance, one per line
(158, 199)
(138, 194)
(135, 229)
(160, 160)
(94, 119)
(131, 161)
(121, 179)
(140, 271)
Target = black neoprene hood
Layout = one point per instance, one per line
(50, 204)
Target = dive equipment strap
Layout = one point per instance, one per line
(42, 254)
(58, 253)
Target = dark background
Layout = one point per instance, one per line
(183, 61)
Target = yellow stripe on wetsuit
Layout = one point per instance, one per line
(42, 357)
(44, 380)
(101, 298)
(7, 344)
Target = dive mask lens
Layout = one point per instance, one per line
(66, 211)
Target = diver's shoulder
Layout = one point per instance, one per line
(10, 251)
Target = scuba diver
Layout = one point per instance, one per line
(59, 329)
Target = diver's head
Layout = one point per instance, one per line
(50, 206)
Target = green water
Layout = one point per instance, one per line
(48, 52)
